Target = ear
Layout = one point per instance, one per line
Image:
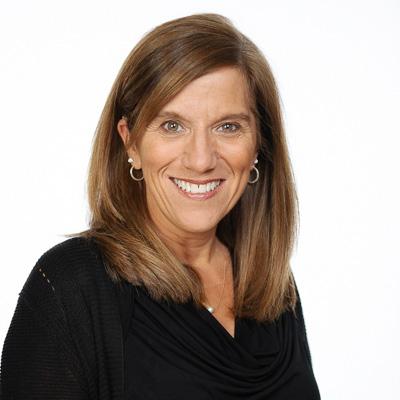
(123, 130)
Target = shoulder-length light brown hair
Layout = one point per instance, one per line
(260, 230)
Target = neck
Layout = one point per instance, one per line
(203, 251)
(206, 254)
(198, 250)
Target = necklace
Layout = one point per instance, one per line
(212, 309)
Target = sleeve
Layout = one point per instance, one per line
(34, 362)
(303, 331)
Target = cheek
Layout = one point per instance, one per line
(240, 152)
(155, 155)
(240, 158)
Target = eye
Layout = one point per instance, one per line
(231, 127)
(171, 126)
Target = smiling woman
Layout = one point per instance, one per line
(182, 286)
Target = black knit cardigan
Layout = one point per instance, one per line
(66, 338)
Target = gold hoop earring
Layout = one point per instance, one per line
(257, 173)
(130, 160)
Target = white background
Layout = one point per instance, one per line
(337, 65)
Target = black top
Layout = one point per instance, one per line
(177, 351)
(67, 338)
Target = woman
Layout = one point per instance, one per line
(181, 287)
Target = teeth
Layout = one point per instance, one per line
(194, 188)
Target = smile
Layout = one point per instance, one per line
(201, 190)
(196, 188)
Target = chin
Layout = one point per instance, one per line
(200, 224)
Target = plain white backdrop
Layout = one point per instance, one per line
(337, 65)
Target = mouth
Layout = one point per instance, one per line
(203, 189)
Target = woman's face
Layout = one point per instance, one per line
(197, 153)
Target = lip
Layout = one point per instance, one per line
(199, 196)
(197, 182)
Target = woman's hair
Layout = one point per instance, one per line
(260, 230)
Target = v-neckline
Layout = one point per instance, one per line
(221, 327)
(213, 318)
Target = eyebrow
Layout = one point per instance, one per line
(172, 114)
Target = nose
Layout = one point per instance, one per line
(200, 153)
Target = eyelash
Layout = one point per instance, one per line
(238, 126)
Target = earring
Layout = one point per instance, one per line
(257, 172)
(130, 160)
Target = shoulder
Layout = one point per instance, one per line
(74, 253)
(73, 265)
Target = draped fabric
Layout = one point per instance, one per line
(177, 351)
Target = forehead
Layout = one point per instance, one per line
(222, 91)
